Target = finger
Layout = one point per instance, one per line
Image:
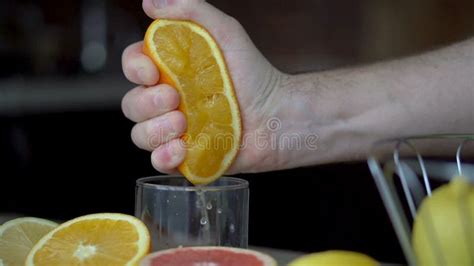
(168, 156)
(173, 171)
(137, 67)
(152, 133)
(142, 103)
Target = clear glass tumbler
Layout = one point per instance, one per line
(178, 213)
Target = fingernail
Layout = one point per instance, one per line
(160, 3)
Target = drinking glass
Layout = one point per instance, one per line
(178, 213)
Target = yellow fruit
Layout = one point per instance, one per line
(18, 236)
(96, 239)
(190, 60)
(443, 231)
(334, 258)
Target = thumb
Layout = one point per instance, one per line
(199, 11)
(162, 4)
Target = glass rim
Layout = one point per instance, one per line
(238, 184)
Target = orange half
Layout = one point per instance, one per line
(94, 240)
(190, 60)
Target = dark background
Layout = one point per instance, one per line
(65, 148)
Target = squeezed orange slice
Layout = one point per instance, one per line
(190, 60)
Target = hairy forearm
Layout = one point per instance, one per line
(351, 108)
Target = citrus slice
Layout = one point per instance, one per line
(96, 239)
(222, 256)
(334, 257)
(190, 60)
(18, 236)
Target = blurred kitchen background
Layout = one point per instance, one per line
(65, 147)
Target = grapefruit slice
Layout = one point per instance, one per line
(190, 60)
(207, 256)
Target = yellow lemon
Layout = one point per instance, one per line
(443, 231)
(333, 258)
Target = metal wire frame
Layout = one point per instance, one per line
(408, 170)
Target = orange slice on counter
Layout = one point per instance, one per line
(96, 239)
(190, 60)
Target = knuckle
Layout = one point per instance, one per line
(132, 104)
(169, 96)
(152, 126)
(144, 104)
(126, 52)
(233, 21)
(159, 159)
(135, 135)
(178, 121)
(125, 107)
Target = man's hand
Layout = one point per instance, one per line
(154, 107)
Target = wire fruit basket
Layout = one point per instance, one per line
(405, 177)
